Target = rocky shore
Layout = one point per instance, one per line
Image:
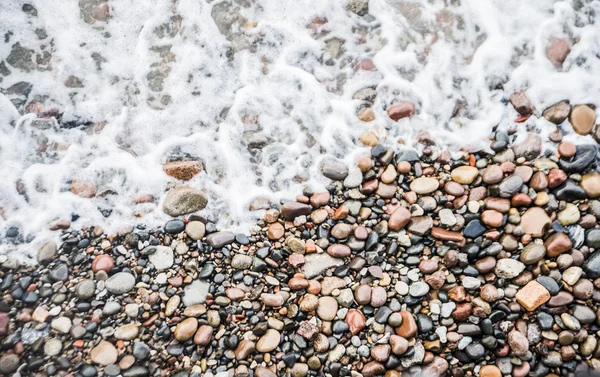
(407, 264)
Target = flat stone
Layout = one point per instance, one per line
(334, 169)
(408, 329)
(465, 174)
(532, 295)
(521, 103)
(291, 210)
(46, 252)
(590, 183)
(195, 293)
(183, 200)
(424, 185)
(582, 118)
(160, 256)
(400, 110)
(510, 186)
(508, 268)
(316, 263)
(558, 112)
(327, 308)
(104, 353)
(269, 341)
(399, 219)
(185, 329)
(183, 170)
(592, 266)
(532, 253)
(127, 332)
(530, 148)
(535, 221)
(195, 230)
(219, 239)
(120, 283)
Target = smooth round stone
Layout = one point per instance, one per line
(475, 351)
(592, 266)
(112, 370)
(127, 332)
(269, 341)
(492, 174)
(474, 229)
(334, 169)
(582, 118)
(424, 185)
(590, 183)
(119, 283)
(378, 297)
(532, 253)
(52, 347)
(550, 284)
(327, 308)
(141, 350)
(584, 314)
(362, 294)
(490, 371)
(60, 273)
(185, 329)
(464, 174)
(195, 230)
(510, 186)
(104, 353)
(103, 262)
(174, 226)
(418, 289)
(85, 289)
(88, 370)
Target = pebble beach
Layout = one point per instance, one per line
(405, 265)
(370, 241)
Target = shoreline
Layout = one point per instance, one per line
(485, 265)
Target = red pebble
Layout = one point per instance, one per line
(103, 263)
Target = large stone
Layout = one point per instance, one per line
(195, 293)
(183, 170)
(535, 221)
(532, 295)
(183, 200)
(46, 252)
(529, 148)
(521, 103)
(160, 256)
(399, 218)
(185, 329)
(119, 283)
(291, 210)
(582, 118)
(590, 183)
(558, 112)
(219, 239)
(424, 185)
(465, 175)
(509, 268)
(402, 109)
(334, 169)
(316, 263)
(592, 266)
(557, 51)
(269, 341)
(104, 353)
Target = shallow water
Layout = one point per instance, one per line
(259, 91)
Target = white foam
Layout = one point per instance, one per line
(278, 70)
